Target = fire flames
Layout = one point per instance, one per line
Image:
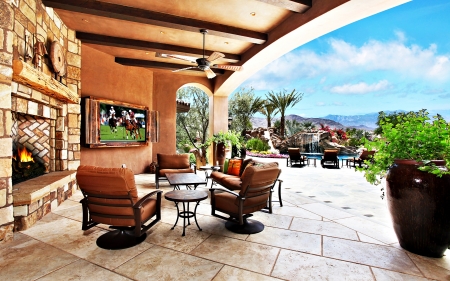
(24, 155)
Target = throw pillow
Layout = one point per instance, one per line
(234, 167)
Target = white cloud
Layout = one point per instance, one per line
(360, 88)
(320, 103)
(345, 59)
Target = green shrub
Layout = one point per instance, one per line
(257, 144)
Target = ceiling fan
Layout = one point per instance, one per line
(205, 63)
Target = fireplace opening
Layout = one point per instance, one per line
(25, 166)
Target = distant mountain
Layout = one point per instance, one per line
(367, 120)
(261, 121)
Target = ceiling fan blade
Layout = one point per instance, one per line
(186, 68)
(209, 73)
(178, 58)
(214, 56)
(228, 67)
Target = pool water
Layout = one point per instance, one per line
(319, 155)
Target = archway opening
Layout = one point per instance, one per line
(192, 127)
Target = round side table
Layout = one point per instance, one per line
(185, 197)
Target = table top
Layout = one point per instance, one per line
(185, 179)
(186, 195)
(203, 168)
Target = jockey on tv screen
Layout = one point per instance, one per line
(119, 123)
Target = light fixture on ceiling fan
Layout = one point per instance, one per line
(205, 63)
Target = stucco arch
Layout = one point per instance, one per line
(200, 86)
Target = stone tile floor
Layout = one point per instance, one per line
(312, 237)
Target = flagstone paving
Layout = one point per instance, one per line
(333, 226)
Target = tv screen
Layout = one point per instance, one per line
(110, 123)
(121, 123)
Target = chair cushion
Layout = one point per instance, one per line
(228, 203)
(244, 165)
(218, 176)
(232, 183)
(163, 172)
(147, 211)
(234, 167)
(259, 175)
(113, 181)
(173, 161)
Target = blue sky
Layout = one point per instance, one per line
(395, 60)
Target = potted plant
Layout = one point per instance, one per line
(413, 154)
(224, 140)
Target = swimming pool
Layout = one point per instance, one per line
(319, 155)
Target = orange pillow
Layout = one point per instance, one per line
(234, 167)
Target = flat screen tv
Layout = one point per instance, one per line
(110, 123)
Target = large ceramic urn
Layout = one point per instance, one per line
(220, 154)
(419, 203)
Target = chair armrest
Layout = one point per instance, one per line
(212, 190)
(141, 201)
(279, 180)
(194, 167)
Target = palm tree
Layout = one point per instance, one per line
(269, 111)
(283, 100)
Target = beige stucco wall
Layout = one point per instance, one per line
(103, 78)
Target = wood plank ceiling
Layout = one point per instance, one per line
(136, 32)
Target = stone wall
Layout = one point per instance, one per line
(21, 19)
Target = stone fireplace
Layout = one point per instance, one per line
(37, 112)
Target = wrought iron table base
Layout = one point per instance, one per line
(186, 214)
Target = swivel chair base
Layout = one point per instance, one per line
(249, 227)
(119, 239)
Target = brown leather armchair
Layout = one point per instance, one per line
(110, 197)
(257, 183)
(330, 157)
(295, 157)
(172, 163)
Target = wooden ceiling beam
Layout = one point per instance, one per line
(125, 13)
(161, 65)
(104, 40)
(298, 6)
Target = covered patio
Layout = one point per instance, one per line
(125, 51)
(312, 237)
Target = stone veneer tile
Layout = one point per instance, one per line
(371, 229)
(26, 258)
(161, 234)
(369, 254)
(245, 255)
(298, 266)
(325, 211)
(386, 275)
(163, 264)
(434, 268)
(66, 234)
(237, 274)
(324, 228)
(288, 239)
(296, 212)
(216, 226)
(83, 270)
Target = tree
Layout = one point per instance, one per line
(282, 101)
(293, 127)
(269, 111)
(242, 106)
(192, 126)
(308, 126)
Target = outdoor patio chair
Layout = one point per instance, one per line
(330, 157)
(172, 163)
(365, 155)
(256, 192)
(295, 157)
(111, 197)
